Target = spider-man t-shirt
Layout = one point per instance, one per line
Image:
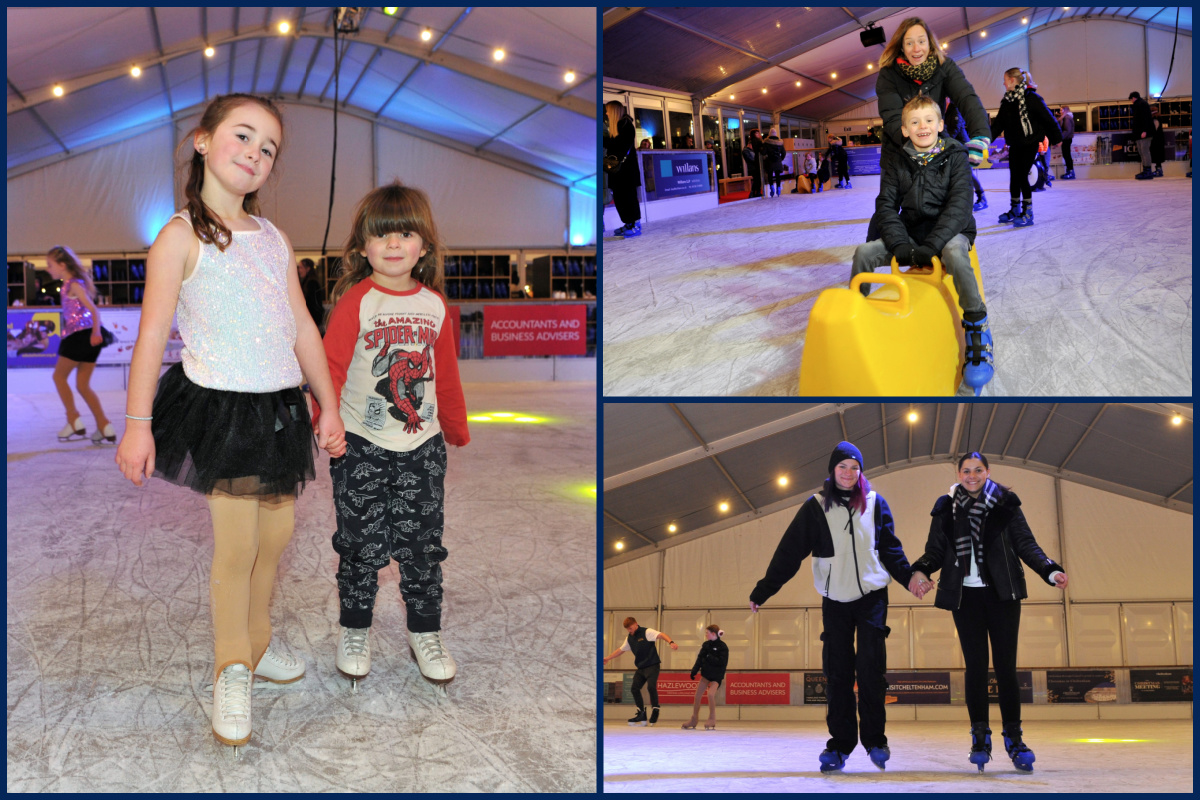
(391, 356)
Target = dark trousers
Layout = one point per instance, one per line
(648, 677)
(1068, 162)
(842, 664)
(981, 617)
(390, 505)
(1020, 160)
(625, 198)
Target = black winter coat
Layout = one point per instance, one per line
(1143, 120)
(1008, 122)
(1007, 541)
(712, 660)
(956, 126)
(772, 153)
(622, 146)
(809, 535)
(893, 89)
(1158, 143)
(934, 199)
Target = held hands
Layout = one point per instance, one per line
(919, 585)
(135, 453)
(331, 434)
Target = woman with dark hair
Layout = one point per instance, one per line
(710, 663)
(848, 530)
(977, 535)
(619, 133)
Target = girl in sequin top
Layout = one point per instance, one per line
(390, 343)
(230, 420)
(79, 346)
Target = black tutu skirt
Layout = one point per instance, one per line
(78, 347)
(239, 443)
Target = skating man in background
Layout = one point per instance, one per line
(645, 658)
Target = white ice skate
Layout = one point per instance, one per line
(231, 705)
(108, 434)
(279, 667)
(354, 655)
(435, 661)
(73, 433)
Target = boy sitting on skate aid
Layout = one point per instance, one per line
(932, 191)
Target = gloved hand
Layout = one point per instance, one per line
(904, 254)
(976, 148)
(922, 256)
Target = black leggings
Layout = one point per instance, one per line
(648, 677)
(1020, 160)
(1068, 162)
(625, 198)
(984, 617)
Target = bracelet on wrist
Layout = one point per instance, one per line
(139, 419)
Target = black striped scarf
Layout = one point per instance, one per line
(976, 508)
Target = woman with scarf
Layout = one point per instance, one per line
(848, 530)
(1024, 120)
(977, 534)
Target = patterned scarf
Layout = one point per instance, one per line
(1017, 95)
(976, 508)
(920, 73)
(924, 158)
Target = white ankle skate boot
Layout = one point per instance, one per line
(279, 667)
(107, 434)
(433, 658)
(231, 705)
(354, 654)
(72, 432)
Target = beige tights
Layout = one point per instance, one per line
(250, 534)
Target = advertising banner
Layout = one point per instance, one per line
(535, 330)
(678, 174)
(759, 688)
(1081, 686)
(33, 337)
(814, 689)
(674, 688)
(1024, 681)
(863, 160)
(1161, 685)
(918, 688)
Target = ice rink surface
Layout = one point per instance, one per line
(110, 636)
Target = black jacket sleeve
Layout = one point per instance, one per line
(793, 548)
(887, 205)
(1001, 120)
(1027, 547)
(891, 552)
(699, 662)
(962, 94)
(1143, 120)
(890, 103)
(1043, 120)
(935, 546)
(958, 209)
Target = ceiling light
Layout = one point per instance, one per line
(944, 45)
(776, 24)
(764, 91)
(498, 55)
(426, 35)
(983, 34)
(210, 51)
(783, 480)
(136, 71)
(834, 74)
(619, 545)
(1024, 20)
(391, 12)
(58, 91)
(797, 83)
(724, 507)
(730, 97)
(569, 77)
(870, 66)
(1177, 419)
(284, 27)
(671, 528)
(912, 416)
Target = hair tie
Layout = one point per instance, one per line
(720, 633)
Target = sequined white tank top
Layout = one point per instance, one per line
(237, 326)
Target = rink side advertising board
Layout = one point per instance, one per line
(1024, 683)
(33, 336)
(558, 330)
(758, 688)
(1081, 686)
(675, 174)
(862, 160)
(908, 688)
(1161, 685)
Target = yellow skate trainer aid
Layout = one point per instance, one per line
(906, 339)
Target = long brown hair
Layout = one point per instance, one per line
(895, 47)
(613, 111)
(394, 208)
(207, 225)
(66, 256)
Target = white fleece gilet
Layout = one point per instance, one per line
(855, 568)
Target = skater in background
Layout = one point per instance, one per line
(1158, 143)
(752, 154)
(773, 154)
(848, 530)
(810, 171)
(624, 180)
(79, 345)
(1024, 121)
(711, 662)
(230, 420)
(1066, 123)
(395, 374)
(956, 127)
(977, 535)
(838, 161)
(1143, 130)
(314, 295)
(640, 642)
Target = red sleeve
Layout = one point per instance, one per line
(340, 337)
(452, 406)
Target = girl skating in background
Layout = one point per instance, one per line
(710, 663)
